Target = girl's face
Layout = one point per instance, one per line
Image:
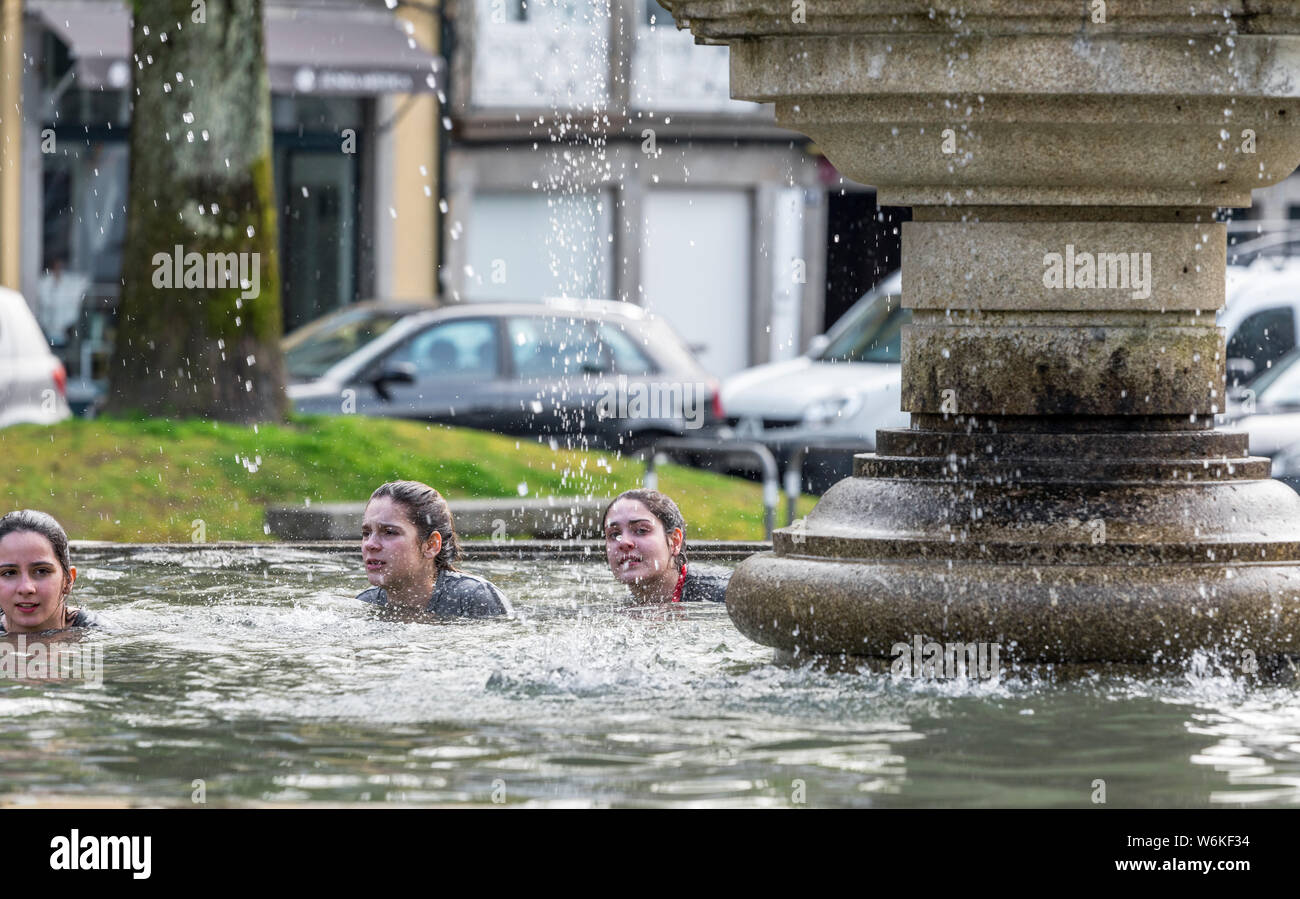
(635, 543)
(390, 546)
(32, 583)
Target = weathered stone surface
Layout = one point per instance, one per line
(728, 21)
(998, 266)
(1120, 120)
(971, 513)
(1043, 364)
(1078, 447)
(1047, 613)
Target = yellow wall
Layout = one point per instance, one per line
(11, 143)
(415, 194)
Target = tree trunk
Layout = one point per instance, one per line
(189, 342)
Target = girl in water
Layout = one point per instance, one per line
(409, 546)
(36, 575)
(645, 542)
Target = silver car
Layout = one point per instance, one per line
(585, 373)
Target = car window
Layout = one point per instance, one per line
(311, 355)
(460, 349)
(625, 355)
(1264, 337)
(875, 334)
(553, 347)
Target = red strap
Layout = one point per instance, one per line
(681, 582)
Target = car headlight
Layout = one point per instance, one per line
(826, 411)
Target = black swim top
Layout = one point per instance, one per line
(82, 618)
(700, 587)
(455, 595)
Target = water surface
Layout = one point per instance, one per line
(259, 674)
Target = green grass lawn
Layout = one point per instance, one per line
(147, 481)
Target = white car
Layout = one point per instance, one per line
(1262, 312)
(33, 382)
(846, 386)
(1269, 409)
(837, 395)
(1259, 316)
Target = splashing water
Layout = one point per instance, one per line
(258, 672)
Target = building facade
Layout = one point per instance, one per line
(564, 147)
(596, 152)
(355, 118)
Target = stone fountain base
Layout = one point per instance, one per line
(1136, 547)
(1271, 671)
(1060, 491)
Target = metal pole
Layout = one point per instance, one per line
(771, 496)
(794, 483)
(651, 478)
(771, 480)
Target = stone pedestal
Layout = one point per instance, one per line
(1061, 490)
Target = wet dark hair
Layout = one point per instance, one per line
(45, 525)
(661, 506)
(429, 512)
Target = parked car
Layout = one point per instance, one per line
(33, 382)
(583, 372)
(1269, 409)
(1259, 316)
(316, 347)
(1246, 245)
(835, 396)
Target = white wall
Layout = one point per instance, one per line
(791, 270)
(552, 54)
(696, 270)
(524, 246)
